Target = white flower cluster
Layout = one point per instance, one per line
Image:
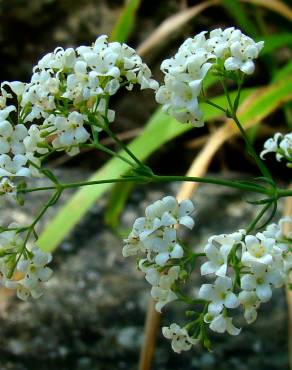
(259, 264)
(69, 91)
(29, 267)
(155, 236)
(227, 49)
(279, 144)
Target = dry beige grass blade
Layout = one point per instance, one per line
(152, 325)
(171, 25)
(276, 5)
(288, 212)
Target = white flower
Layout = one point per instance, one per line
(14, 166)
(260, 280)
(133, 244)
(7, 187)
(58, 60)
(168, 212)
(11, 138)
(155, 234)
(185, 72)
(219, 295)
(165, 246)
(279, 144)
(152, 275)
(277, 231)
(217, 251)
(250, 302)
(3, 97)
(221, 324)
(70, 132)
(34, 142)
(285, 147)
(243, 52)
(16, 86)
(180, 339)
(257, 249)
(35, 273)
(162, 293)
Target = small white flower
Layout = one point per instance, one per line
(250, 302)
(34, 142)
(279, 144)
(11, 138)
(219, 295)
(257, 249)
(260, 280)
(180, 339)
(14, 166)
(278, 232)
(7, 187)
(162, 293)
(217, 251)
(35, 273)
(165, 246)
(221, 323)
(71, 132)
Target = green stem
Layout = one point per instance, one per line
(264, 170)
(158, 178)
(284, 193)
(254, 222)
(121, 144)
(210, 180)
(110, 152)
(215, 105)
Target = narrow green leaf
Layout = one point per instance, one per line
(276, 41)
(126, 21)
(237, 11)
(284, 72)
(268, 101)
(280, 75)
(116, 203)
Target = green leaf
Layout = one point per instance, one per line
(237, 11)
(284, 72)
(116, 203)
(276, 41)
(281, 74)
(159, 130)
(126, 21)
(268, 101)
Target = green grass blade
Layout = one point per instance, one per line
(115, 204)
(126, 21)
(237, 11)
(284, 72)
(273, 42)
